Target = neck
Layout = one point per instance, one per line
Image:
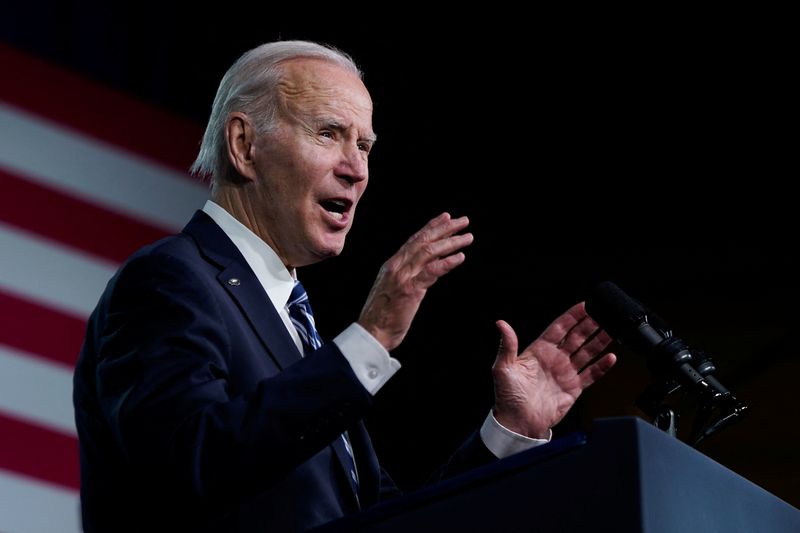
(236, 200)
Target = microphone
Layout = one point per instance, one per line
(629, 323)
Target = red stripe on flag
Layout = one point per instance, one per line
(57, 94)
(39, 330)
(38, 452)
(71, 220)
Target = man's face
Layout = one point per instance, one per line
(312, 168)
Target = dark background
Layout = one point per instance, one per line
(652, 149)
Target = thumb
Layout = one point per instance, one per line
(507, 351)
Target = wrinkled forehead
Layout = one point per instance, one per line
(322, 86)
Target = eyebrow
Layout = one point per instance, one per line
(336, 124)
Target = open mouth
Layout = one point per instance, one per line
(336, 207)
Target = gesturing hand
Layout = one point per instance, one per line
(405, 277)
(535, 389)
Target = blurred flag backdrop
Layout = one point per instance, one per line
(87, 175)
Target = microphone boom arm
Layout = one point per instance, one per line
(672, 361)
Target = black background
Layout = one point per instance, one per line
(654, 149)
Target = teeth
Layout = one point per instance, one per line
(337, 216)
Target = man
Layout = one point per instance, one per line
(205, 402)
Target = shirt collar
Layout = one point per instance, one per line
(273, 275)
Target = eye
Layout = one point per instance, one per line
(365, 147)
(328, 134)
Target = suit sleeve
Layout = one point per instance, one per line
(471, 454)
(162, 361)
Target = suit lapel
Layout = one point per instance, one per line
(244, 288)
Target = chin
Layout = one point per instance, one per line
(330, 250)
(333, 252)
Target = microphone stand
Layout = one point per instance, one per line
(717, 411)
(652, 403)
(718, 408)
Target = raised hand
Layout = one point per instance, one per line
(405, 278)
(535, 389)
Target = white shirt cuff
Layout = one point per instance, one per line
(503, 442)
(370, 361)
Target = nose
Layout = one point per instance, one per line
(353, 165)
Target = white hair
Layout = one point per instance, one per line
(250, 86)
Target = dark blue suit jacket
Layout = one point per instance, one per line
(195, 411)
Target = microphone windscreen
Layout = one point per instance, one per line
(613, 310)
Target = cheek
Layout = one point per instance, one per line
(310, 166)
(286, 155)
(291, 177)
(296, 169)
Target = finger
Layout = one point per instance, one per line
(446, 246)
(432, 260)
(559, 327)
(438, 227)
(436, 269)
(436, 257)
(598, 369)
(434, 241)
(507, 350)
(578, 335)
(591, 349)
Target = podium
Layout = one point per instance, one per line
(625, 476)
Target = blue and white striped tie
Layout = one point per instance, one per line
(303, 319)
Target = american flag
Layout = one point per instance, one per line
(87, 175)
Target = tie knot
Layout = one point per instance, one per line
(298, 294)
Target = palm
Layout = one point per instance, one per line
(535, 389)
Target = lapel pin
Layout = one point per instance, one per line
(234, 282)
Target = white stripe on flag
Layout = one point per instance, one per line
(29, 506)
(53, 275)
(63, 159)
(34, 390)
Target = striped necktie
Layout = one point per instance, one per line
(303, 319)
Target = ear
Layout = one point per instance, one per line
(239, 138)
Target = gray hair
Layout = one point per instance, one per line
(250, 86)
